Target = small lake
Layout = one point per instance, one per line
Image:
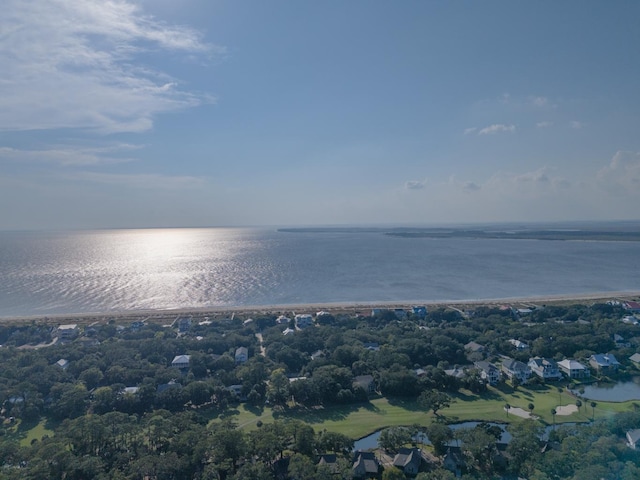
(613, 392)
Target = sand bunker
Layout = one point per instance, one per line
(566, 409)
(519, 412)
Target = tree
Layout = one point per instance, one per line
(392, 473)
(593, 410)
(578, 404)
(507, 407)
(301, 468)
(278, 390)
(434, 400)
(439, 434)
(531, 406)
(553, 414)
(393, 438)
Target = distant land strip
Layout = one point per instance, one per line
(224, 312)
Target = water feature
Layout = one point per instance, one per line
(612, 392)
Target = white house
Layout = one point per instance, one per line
(545, 368)
(63, 363)
(514, 368)
(633, 437)
(573, 369)
(67, 332)
(489, 372)
(242, 354)
(181, 361)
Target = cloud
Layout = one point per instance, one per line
(540, 101)
(469, 131)
(538, 176)
(471, 187)
(496, 128)
(415, 185)
(575, 124)
(70, 155)
(79, 65)
(544, 124)
(622, 173)
(139, 180)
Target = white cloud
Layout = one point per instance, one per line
(469, 131)
(540, 101)
(622, 174)
(575, 124)
(496, 128)
(414, 185)
(70, 155)
(544, 124)
(76, 64)
(139, 180)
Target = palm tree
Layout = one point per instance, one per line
(507, 407)
(578, 404)
(531, 407)
(593, 410)
(553, 414)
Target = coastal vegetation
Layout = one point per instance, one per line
(112, 400)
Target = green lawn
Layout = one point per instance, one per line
(361, 420)
(27, 432)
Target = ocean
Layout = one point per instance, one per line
(153, 269)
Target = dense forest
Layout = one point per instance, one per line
(111, 405)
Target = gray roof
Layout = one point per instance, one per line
(635, 358)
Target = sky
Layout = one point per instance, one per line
(161, 113)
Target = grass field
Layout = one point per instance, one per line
(357, 421)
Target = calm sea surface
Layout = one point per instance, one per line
(118, 270)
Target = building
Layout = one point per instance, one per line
(604, 362)
(419, 311)
(474, 347)
(573, 369)
(330, 461)
(304, 321)
(545, 368)
(366, 382)
(633, 437)
(365, 465)
(633, 307)
(518, 344)
(63, 363)
(516, 369)
(489, 372)
(184, 324)
(635, 358)
(181, 361)
(67, 332)
(242, 354)
(408, 460)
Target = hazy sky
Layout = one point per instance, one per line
(252, 112)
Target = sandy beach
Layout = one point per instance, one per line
(163, 316)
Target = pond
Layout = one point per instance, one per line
(612, 392)
(371, 441)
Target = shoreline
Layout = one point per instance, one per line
(153, 315)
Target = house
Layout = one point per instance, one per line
(67, 332)
(400, 313)
(514, 368)
(129, 390)
(184, 324)
(235, 390)
(488, 371)
(630, 319)
(573, 369)
(366, 382)
(377, 311)
(633, 437)
(330, 461)
(181, 361)
(63, 363)
(457, 372)
(242, 355)
(453, 461)
(288, 331)
(635, 358)
(365, 465)
(545, 368)
(166, 386)
(408, 460)
(620, 341)
(282, 319)
(474, 347)
(372, 346)
(304, 321)
(419, 311)
(633, 307)
(518, 344)
(604, 362)
(317, 354)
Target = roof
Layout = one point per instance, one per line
(474, 347)
(70, 326)
(571, 364)
(486, 366)
(181, 359)
(635, 358)
(633, 435)
(364, 380)
(604, 359)
(241, 350)
(407, 456)
(367, 460)
(511, 364)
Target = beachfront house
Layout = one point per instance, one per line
(67, 332)
(605, 363)
(516, 369)
(242, 355)
(419, 311)
(181, 361)
(488, 371)
(545, 368)
(633, 307)
(573, 369)
(304, 321)
(408, 460)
